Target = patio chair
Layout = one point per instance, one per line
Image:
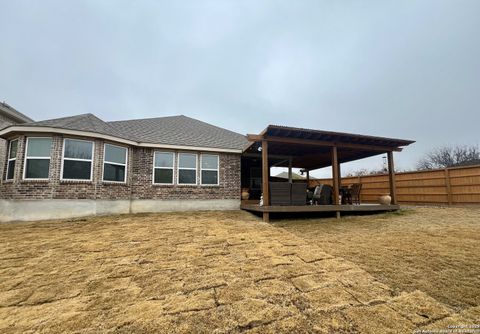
(316, 194)
(355, 192)
(322, 195)
(346, 193)
(326, 197)
(299, 193)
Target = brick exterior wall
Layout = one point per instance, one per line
(139, 178)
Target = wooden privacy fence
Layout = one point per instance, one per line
(457, 185)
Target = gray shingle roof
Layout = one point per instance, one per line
(172, 130)
(83, 122)
(180, 130)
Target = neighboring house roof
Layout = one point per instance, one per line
(179, 131)
(295, 176)
(13, 114)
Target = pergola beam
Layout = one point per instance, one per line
(336, 186)
(335, 177)
(252, 137)
(299, 141)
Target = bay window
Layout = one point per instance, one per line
(77, 162)
(12, 158)
(114, 163)
(37, 158)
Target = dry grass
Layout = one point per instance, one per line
(224, 272)
(435, 250)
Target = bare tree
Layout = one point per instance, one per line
(444, 157)
(366, 172)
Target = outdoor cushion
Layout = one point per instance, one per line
(299, 193)
(280, 193)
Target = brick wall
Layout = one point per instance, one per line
(142, 187)
(139, 179)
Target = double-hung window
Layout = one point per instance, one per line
(187, 168)
(163, 167)
(115, 163)
(37, 158)
(77, 160)
(209, 169)
(12, 158)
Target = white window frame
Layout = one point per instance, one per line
(172, 168)
(36, 158)
(115, 163)
(210, 169)
(76, 159)
(12, 159)
(195, 169)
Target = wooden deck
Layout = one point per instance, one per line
(249, 206)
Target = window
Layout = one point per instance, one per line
(77, 160)
(187, 168)
(37, 158)
(209, 169)
(115, 163)
(12, 157)
(163, 167)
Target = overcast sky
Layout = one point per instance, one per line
(406, 69)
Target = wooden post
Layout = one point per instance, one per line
(449, 186)
(265, 179)
(308, 177)
(290, 170)
(339, 176)
(335, 178)
(391, 177)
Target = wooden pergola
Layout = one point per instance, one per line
(313, 149)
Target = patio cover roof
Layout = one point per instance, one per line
(311, 149)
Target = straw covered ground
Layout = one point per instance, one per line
(227, 272)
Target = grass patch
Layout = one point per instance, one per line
(434, 250)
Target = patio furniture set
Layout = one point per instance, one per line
(296, 193)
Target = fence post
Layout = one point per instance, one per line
(449, 186)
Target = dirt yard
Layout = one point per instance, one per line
(227, 272)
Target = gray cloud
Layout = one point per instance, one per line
(405, 69)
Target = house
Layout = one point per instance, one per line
(82, 165)
(9, 116)
(295, 176)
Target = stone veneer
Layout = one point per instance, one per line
(139, 184)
